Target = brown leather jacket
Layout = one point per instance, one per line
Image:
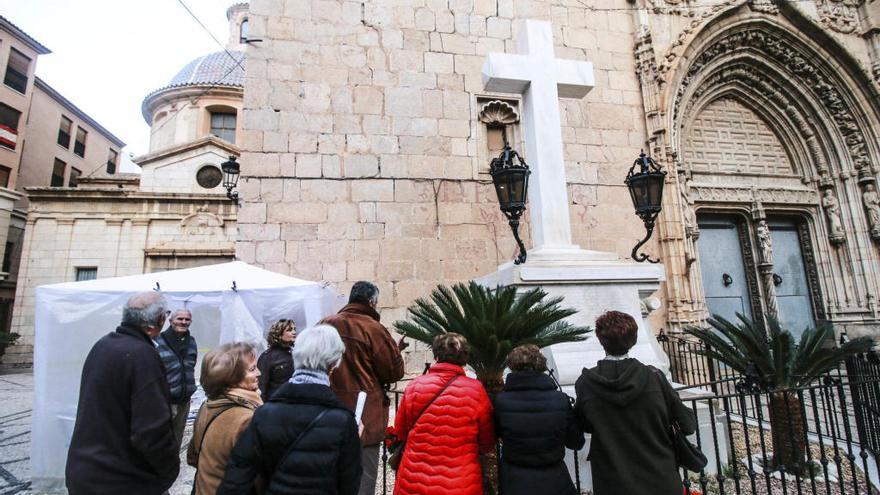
(371, 360)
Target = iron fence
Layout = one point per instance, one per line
(742, 428)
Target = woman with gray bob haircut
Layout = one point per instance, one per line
(302, 420)
(318, 349)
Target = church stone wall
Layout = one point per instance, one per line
(362, 147)
(363, 155)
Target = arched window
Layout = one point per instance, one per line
(243, 32)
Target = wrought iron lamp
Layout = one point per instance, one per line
(510, 174)
(646, 190)
(231, 171)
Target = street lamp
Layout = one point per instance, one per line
(646, 190)
(231, 171)
(510, 174)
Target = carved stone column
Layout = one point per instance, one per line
(684, 301)
(765, 260)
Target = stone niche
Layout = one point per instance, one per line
(499, 123)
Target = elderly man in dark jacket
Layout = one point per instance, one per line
(122, 440)
(371, 361)
(535, 422)
(621, 402)
(179, 354)
(303, 441)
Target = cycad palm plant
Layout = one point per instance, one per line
(780, 365)
(493, 321)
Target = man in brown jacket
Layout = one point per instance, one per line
(371, 360)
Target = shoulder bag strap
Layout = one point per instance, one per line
(432, 401)
(205, 431)
(298, 438)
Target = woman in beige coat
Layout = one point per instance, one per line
(230, 380)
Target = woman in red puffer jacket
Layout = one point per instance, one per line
(443, 444)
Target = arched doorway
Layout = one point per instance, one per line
(774, 150)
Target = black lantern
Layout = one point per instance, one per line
(510, 174)
(646, 190)
(231, 171)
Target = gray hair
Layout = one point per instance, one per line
(364, 293)
(181, 310)
(318, 348)
(143, 310)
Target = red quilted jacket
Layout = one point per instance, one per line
(442, 450)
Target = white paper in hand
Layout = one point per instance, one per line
(359, 408)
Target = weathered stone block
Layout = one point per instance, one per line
(406, 102)
(361, 166)
(372, 190)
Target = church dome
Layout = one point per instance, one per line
(217, 68)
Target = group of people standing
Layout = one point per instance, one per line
(284, 422)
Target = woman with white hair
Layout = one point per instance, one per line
(303, 440)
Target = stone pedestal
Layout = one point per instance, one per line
(593, 283)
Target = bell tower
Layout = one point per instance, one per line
(238, 26)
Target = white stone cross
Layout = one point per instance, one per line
(542, 79)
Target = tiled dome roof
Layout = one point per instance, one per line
(216, 68)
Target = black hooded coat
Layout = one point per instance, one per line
(622, 404)
(535, 423)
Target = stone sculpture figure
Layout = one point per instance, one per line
(872, 206)
(832, 213)
(765, 242)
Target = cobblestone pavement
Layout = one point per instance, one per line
(16, 392)
(16, 397)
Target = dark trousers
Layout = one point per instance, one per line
(179, 412)
(370, 463)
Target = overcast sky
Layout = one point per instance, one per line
(107, 55)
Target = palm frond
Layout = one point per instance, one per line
(493, 321)
(775, 356)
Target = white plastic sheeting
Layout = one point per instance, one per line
(71, 317)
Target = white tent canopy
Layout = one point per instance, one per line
(230, 302)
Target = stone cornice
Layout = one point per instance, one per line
(107, 195)
(186, 92)
(178, 252)
(192, 145)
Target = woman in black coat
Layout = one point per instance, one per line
(303, 441)
(621, 402)
(535, 423)
(276, 362)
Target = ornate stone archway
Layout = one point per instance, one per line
(809, 107)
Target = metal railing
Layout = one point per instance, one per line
(822, 449)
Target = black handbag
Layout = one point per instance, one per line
(397, 448)
(687, 455)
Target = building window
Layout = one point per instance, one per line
(112, 159)
(64, 132)
(9, 118)
(74, 177)
(86, 273)
(4, 176)
(79, 147)
(17, 69)
(209, 176)
(243, 32)
(58, 173)
(223, 126)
